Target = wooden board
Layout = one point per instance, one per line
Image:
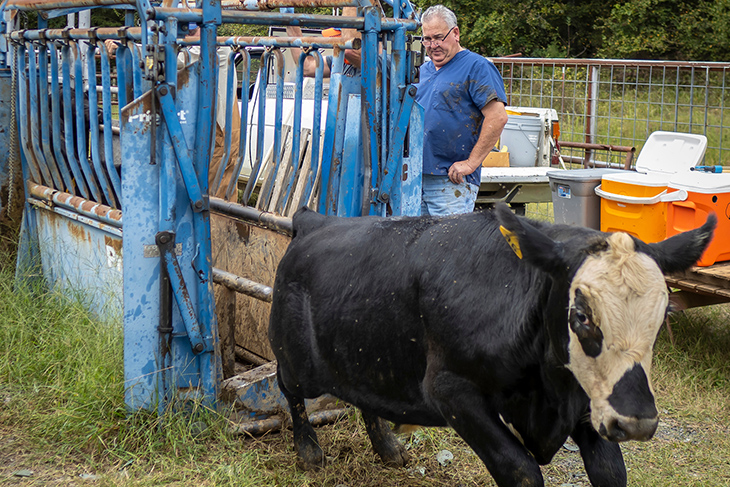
(254, 253)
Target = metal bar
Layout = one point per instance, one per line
(254, 175)
(275, 4)
(139, 85)
(293, 163)
(278, 122)
(166, 242)
(83, 206)
(68, 124)
(279, 18)
(242, 285)
(233, 183)
(252, 215)
(210, 362)
(395, 154)
(43, 120)
(71, 215)
(76, 34)
(330, 162)
(24, 116)
(193, 184)
(62, 4)
(369, 121)
(125, 83)
(34, 115)
(260, 427)
(106, 110)
(81, 120)
(281, 42)
(316, 126)
(230, 95)
(101, 173)
(63, 163)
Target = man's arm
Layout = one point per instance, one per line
(495, 118)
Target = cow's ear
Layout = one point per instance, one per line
(532, 245)
(680, 252)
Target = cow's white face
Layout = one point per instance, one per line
(618, 301)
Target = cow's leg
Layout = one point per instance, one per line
(464, 407)
(384, 441)
(309, 454)
(603, 460)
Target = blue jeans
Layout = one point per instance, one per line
(440, 196)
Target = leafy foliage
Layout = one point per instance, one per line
(642, 29)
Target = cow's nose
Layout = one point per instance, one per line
(625, 429)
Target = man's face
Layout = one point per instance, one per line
(444, 41)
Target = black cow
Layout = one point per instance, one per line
(437, 321)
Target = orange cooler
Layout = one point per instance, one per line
(693, 197)
(631, 201)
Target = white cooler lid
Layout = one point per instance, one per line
(652, 179)
(701, 182)
(671, 152)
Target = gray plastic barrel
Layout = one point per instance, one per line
(574, 199)
(522, 135)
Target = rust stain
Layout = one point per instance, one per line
(114, 243)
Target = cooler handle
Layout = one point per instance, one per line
(679, 195)
(631, 200)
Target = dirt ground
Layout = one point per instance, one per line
(22, 463)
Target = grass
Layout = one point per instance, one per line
(62, 416)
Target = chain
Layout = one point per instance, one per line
(14, 162)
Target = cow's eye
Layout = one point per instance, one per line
(582, 318)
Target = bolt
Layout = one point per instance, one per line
(164, 238)
(198, 205)
(198, 348)
(163, 90)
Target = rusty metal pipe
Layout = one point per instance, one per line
(630, 151)
(319, 418)
(242, 285)
(278, 18)
(91, 209)
(303, 42)
(250, 214)
(63, 4)
(75, 34)
(276, 4)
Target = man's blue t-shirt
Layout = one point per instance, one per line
(453, 98)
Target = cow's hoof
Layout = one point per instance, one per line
(395, 455)
(310, 457)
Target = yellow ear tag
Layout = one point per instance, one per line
(512, 241)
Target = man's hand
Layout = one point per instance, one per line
(459, 170)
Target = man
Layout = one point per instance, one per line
(463, 97)
(219, 149)
(352, 56)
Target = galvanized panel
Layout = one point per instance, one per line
(82, 261)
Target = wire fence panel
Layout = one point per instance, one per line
(617, 104)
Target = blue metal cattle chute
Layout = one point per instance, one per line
(118, 177)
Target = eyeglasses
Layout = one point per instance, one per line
(436, 41)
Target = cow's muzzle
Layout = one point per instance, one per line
(625, 429)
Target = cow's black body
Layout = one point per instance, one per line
(437, 322)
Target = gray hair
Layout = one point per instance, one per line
(441, 12)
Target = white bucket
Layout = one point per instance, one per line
(522, 136)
